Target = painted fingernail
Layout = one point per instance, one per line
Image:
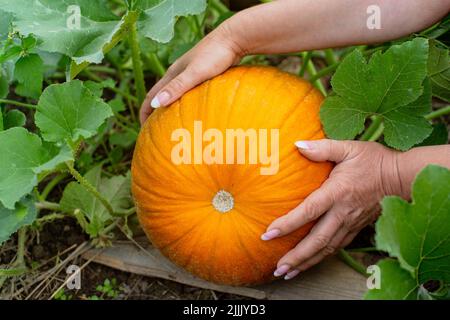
(291, 274)
(269, 235)
(281, 270)
(303, 145)
(160, 100)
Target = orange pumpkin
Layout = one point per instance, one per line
(208, 216)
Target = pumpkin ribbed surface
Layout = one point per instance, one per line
(208, 218)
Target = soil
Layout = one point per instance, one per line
(50, 246)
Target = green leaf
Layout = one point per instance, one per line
(11, 220)
(22, 157)
(1, 120)
(439, 70)
(418, 233)
(5, 78)
(14, 118)
(29, 74)
(123, 139)
(159, 17)
(69, 111)
(54, 24)
(5, 23)
(395, 284)
(117, 104)
(97, 87)
(438, 136)
(391, 85)
(115, 189)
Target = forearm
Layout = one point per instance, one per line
(296, 25)
(411, 162)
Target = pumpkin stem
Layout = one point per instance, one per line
(223, 201)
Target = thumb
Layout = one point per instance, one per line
(326, 149)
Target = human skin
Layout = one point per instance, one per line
(364, 171)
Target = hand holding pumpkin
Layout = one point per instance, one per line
(344, 204)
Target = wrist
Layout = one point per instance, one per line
(230, 36)
(391, 176)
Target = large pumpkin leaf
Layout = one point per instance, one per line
(418, 233)
(439, 70)
(29, 74)
(50, 21)
(70, 111)
(11, 220)
(391, 85)
(5, 23)
(160, 16)
(396, 283)
(22, 157)
(115, 189)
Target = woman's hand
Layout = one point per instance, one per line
(210, 57)
(345, 203)
(288, 26)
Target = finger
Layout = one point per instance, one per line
(326, 149)
(348, 239)
(330, 249)
(172, 72)
(316, 204)
(186, 80)
(318, 239)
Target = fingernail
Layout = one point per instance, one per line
(269, 235)
(281, 270)
(302, 145)
(160, 100)
(291, 275)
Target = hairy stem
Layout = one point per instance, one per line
(89, 187)
(317, 83)
(22, 239)
(330, 57)
(218, 6)
(17, 103)
(50, 218)
(348, 259)
(137, 64)
(438, 113)
(46, 205)
(306, 57)
(51, 185)
(372, 131)
(155, 64)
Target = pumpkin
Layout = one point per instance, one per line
(208, 216)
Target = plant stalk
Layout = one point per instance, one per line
(370, 132)
(306, 58)
(312, 72)
(45, 205)
(22, 239)
(330, 57)
(438, 113)
(51, 185)
(89, 187)
(137, 64)
(19, 104)
(348, 259)
(155, 64)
